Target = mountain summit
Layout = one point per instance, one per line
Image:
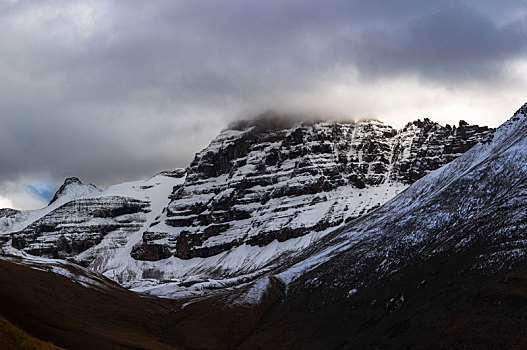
(73, 188)
(257, 184)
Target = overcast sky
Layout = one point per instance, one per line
(111, 91)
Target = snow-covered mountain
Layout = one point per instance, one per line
(263, 181)
(258, 195)
(88, 223)
(438, 262)
(441, 265)
(476, 201)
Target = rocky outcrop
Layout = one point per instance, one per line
(175, 173)
(8, 212)
(432, 147)
(150, 252)
(276, 179)
(79, 225)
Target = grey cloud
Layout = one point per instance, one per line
(451, 45)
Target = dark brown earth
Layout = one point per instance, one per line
(55, 309)
(428, 306)
(441, 309)
(14, 338)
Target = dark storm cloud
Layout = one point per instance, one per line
(453, 44)
(116, 90)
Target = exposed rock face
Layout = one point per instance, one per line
(7, 212)
(433, 249)
(150, 252)
(176, 173)
(432, 146)
(93, 227)
(80, 224)
(274, 179)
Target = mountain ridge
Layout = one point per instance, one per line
(247, 203)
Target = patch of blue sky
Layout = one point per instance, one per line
(41, 189)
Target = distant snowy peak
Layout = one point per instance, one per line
(88, 223)
(73, 188)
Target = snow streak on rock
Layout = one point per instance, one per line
(262, 182)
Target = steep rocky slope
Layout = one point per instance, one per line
(407, 272)
(271, 179)
(86, 223)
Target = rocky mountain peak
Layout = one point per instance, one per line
(72, 180)
(272, 179)
(73, 186)
(267, 187)
(423, 123)
(275, 178)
